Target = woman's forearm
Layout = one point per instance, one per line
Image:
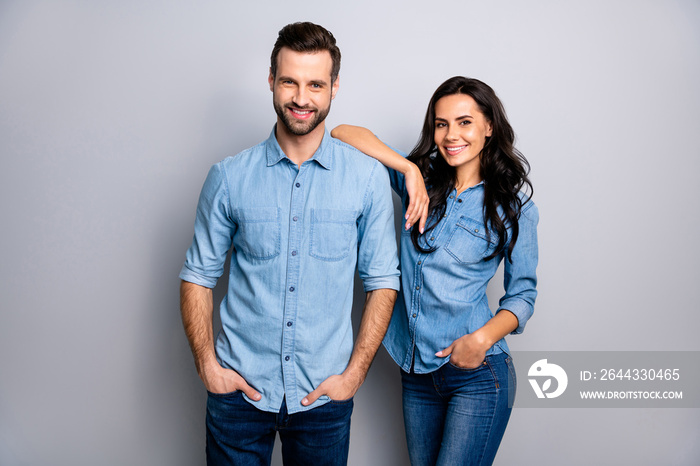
(365, 141)
(469, 350)
(500, 325)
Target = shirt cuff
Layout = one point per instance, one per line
(377, 283)
(522, 311)
(188, 275)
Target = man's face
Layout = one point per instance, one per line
(302, 90)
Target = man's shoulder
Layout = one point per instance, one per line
(245, 157)
(357, 159)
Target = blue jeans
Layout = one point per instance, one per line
(457, 416)
(240, 434)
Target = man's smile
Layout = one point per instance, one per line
(300, 114)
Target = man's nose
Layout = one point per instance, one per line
(301, 98)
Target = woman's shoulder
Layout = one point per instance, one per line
(529, 208)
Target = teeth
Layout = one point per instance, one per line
(301, 112)
(455, 149)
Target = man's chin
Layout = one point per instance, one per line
(298, 128)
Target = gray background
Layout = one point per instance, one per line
(112, 112)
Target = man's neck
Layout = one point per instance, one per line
(299, 149)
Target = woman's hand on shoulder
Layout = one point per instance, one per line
(417, 210)
(365, 141)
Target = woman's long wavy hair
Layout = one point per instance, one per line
(503, 168)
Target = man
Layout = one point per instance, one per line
(301, 210)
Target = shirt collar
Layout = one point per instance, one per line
(323, 155)
(479, 185)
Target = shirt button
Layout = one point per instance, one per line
(415, 315)
(432, 238)
(418, 288)
(476, 230)
(294, 253)
(291, 288)
(289, 324)
(298, 184)
(419, 262)
(295, 219)
(286, 358)
(452, 196)
(459, 200)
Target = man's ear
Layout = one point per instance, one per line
(271, 79)
(334, 88)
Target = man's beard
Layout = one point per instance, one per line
(301, 127)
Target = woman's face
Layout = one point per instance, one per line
(460, 132)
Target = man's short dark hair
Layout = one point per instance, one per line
(306, 38)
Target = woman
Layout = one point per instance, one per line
(457, 376)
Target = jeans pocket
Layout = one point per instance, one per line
(341, 402)
(224, 395)
(467, 369)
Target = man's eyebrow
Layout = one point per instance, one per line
(320, 82)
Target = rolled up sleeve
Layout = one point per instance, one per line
(520, 278)
(213, 232)
(377, 260)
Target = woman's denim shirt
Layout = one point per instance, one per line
(443, 293)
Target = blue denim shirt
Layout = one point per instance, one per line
(443, 294)
(297, 234)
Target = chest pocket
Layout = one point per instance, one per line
(333, 234)
(468, 243)
(258, 234)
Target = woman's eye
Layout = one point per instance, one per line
(465, 122)
(439, 125)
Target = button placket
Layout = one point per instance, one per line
(416, 294)
(296, 235)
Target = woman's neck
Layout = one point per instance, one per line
(465, 181)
